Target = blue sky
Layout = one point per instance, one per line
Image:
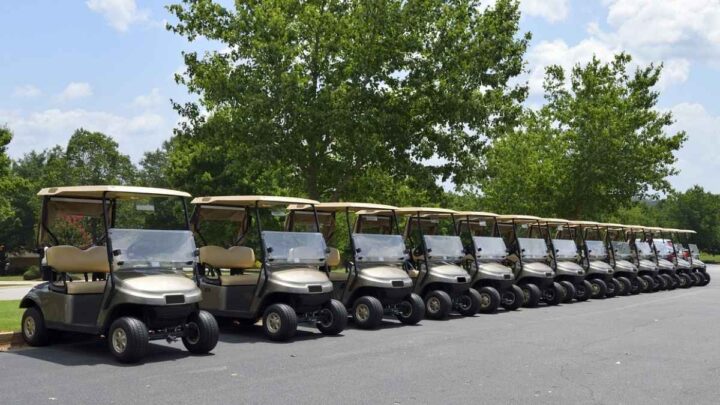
(108, 65)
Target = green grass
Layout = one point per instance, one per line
(12, 278)
(709, 258)
(10, 316)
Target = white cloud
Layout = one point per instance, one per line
(152, 99)
(43, 129)
(26, 91)
(667, 29)
(75, 90)
(551, 10)
(697, 160)
(120, 14)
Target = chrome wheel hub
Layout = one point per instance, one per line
(274, 322)
(433, 304)
(29, 327)
(362, 312)
(484, 300)
(326, 317)
(192, 333)
(119, 340)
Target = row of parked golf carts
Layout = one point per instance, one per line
(122, 262)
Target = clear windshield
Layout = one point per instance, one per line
(662, 248)
(144, 248)
(565, 249)
(596, 249)
(379, 248)
(489, 247)
(294, 247)
(442, 247)
(694, 251)
(533, 248)
(622, 249)
(643, 248)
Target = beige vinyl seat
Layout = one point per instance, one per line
(236, 257)
(334, 260)
(70, 259)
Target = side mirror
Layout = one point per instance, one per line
(358, 250)
(269, 250)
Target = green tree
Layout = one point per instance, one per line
(698, 210)
(94, 158)
(598, 143)
(313, 97)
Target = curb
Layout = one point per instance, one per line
(10, 338)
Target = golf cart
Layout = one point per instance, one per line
(487, 263)
(619, 258)
(643, 258)
(289, 286)
(665, 257)
(697, 265)
(593, 258)
(435, 264)
(113, 260)
(564, 255)
(681, 257)
(373, 282)
(528, 256)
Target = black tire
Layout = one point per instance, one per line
(488, 299)
(650, 283)
(670, 281)
(468, 304)
(334, 318)
(412, 310)
(613, 287)
(531, 295)
(660, 283)
(684, 281)
(201, 333)
(698, 279)
(583, 291)
(367, 312)
(625, 286)
(636, 286)
(34, 331)
(569, 291)
(553, 294)
(599, 289)
(707, 278)
(512, 298)
(128, 339)
(437, 304)
(279, 322)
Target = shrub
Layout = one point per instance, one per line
(32, 273)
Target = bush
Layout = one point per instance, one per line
(32, 273)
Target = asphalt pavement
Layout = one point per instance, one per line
(645, 349)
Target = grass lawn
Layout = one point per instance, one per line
(11, 278)
(10, 316)
(709, 258)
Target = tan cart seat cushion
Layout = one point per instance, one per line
(338, 276)
(237, 257)
(333, 258)
(413, 273)
(69, 259)
(240, 279)
(85, 287)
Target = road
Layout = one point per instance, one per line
(646, 349)
(13, 293)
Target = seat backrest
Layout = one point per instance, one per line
(333, 258)
(69, 259)
(237, 257)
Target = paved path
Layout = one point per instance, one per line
(13, 293)
(647, 349)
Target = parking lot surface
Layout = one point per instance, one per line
(647, 349)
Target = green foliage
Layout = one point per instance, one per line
(32, 273)
(595, 145)
(698, 210)
(313, 97)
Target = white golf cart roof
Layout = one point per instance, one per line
(686, 231)
(262, 201)
(517, 218)
(476, 214)
(584, 223)
(425, 211)
(110, 192)
(614, 226)
(554, 221)
(342, 206)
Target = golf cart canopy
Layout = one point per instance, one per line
(425, 211)
(110, 192)
(584, 224)
(520, 219)
(554, 221)
(614, 227)
(343, 206)
(473, 215)
(262, 201)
